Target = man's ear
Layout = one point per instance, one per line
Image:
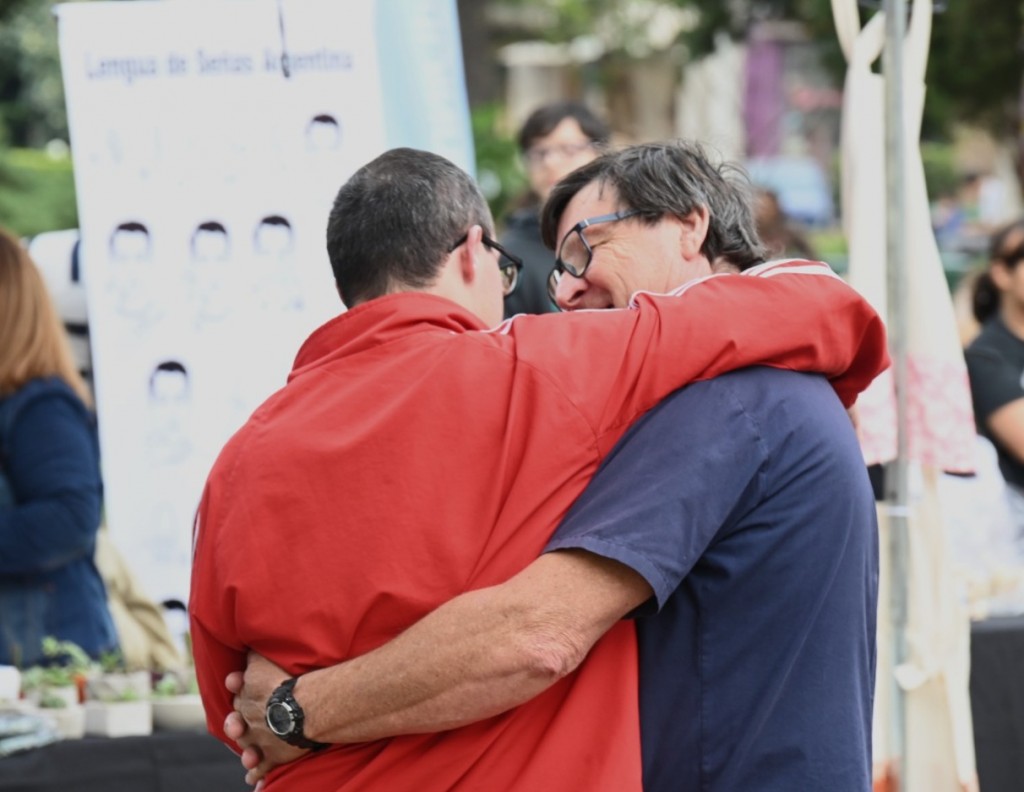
(694, 232)
(467, 253)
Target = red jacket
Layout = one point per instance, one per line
(411, 458)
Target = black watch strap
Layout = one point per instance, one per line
(282, 706)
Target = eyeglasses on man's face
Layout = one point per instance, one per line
(509, 264)
(575, 253)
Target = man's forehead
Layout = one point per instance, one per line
(597, 198)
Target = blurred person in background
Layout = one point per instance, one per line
(554, 141)
(995, 359)
(964, 219)
(779, 235)
(50, 487)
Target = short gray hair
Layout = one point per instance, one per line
(396, 219)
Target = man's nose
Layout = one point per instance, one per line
(570, 291)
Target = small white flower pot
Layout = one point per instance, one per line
(69, 721)
(118, 718)
(179, 713)
(10, 683)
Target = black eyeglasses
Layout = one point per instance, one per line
(509, 264)
(575, 253)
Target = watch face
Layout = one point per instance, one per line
(280, 718)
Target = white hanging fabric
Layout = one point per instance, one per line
(940, 426)
(940, 421)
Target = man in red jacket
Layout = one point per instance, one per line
(414, 456)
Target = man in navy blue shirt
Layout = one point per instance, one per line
(745, 505)
(738, 510)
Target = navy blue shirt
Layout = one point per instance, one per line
(49, 583)
(745, 503)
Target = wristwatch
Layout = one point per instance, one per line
(285, 717)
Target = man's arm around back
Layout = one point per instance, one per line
(476, 656)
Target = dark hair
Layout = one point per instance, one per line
(270, 220)
(395, 220)
(167, 367)
(322, 118)
(211, 227)
(275, 220)
(543, 120)
(671, 178)
(985, 296)
(129, 227)
(322, 121)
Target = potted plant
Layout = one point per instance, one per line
(117, 700)
(125, 715)
(56, 686)
(176, 702)
(112, 681)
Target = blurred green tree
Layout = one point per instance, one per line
(498, 170)
(31, 88)
(37, 192)
(36, 187)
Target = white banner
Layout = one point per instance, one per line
(209, 140)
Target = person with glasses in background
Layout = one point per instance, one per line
(556, 139)
(416, 455)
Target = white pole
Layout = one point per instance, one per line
(896, 478)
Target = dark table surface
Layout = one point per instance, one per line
(997, 702)
(161, 762)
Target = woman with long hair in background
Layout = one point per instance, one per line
(50, 485)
